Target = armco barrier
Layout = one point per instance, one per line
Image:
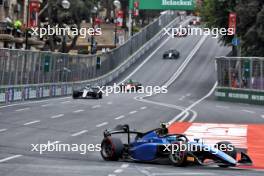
(58, 89)
(240, 95)
(2, 95)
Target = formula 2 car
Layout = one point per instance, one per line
(196, 21)
(171, 54)
(87, 91)
(131, 85)
(158, 144)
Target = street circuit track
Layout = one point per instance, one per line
(64, 120)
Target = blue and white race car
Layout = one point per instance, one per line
(159, 144)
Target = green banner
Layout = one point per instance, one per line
(240, 95)
(164, 4)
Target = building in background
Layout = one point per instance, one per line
(13, 20)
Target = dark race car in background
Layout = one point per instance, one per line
(131, 85)
(86, 92)
(158, 144)
(171, 54)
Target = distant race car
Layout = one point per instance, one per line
(171, 54)
(131, 85)
(158, 144)
(195, 21)
(87, 91)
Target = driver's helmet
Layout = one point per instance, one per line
(163, 130)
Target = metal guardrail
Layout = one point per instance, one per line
(241, 73)
(240, 79)
(20, 67)
(110, 69)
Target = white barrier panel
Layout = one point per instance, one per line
(2, 97)
(69, 90)
(32, 93)
(57, 91)
(46, 92)
(17, 94)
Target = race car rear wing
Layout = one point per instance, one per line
(121, 129)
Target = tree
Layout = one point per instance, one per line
(250, 22)
(57, 16)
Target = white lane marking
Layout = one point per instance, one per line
(181, 99)
(224, 107)
(23, 109)
(2, 130)
(149, 57)
(79, 110)
(173, 78)
(33, 102)
(10, 158)
(46, 105)
(182, 173)
(65, 102)
(79, 133)
(262, 116)
(32, 122)
(55, 142)
(184, 117)
(248, 111)
(194, 116)
(101, 124)
(144, 107)
(132, 112)
(194, 104)
(117, 171)
(139, 98)
(111, 175)
(96, 106)
(57, 116)
(120, 117)
(109, 102)
(186, 61)
(145, 61)
(123, 166)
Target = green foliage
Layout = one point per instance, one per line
(250, 22)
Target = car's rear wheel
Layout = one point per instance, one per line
(227, 148)
(178, 157)
(111, 149)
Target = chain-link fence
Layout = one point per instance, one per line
(241, 72)
(20, 67)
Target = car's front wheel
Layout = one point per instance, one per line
(227, 148)
(111, 149)
(178, 154)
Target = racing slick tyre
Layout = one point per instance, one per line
(96, 96)
(75, 95)
(111, 149)
(177, 156)
(100, 96)
(227, 148)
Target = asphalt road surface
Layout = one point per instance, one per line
(67, 121)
